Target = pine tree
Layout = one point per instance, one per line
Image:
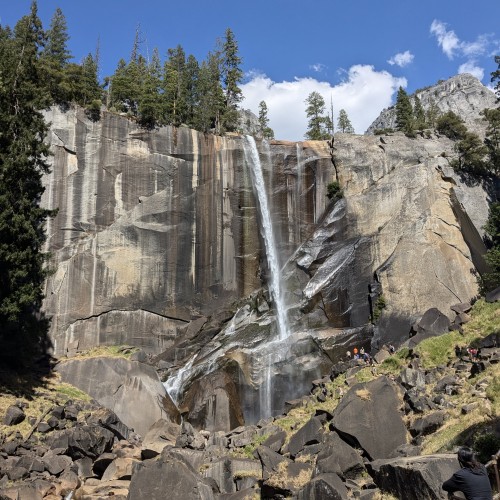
(232, 75)
(419, 114)
(211, 96)
(192, 76)
(404, 114)
(23, 160)
(174, 86)
(318, 124)
(492, 139)
(55, 57)
(150, 104)
(495, 77)
(343, 123)
(265, 130)
(432, 114)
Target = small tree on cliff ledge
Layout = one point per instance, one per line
(319, 124)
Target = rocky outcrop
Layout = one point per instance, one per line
(463, 94)
(129, 388)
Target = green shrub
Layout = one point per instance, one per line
(380, 304)
(486, 445)
(334, 191)
(383, 131)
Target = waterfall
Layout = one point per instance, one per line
(268, 235)
(173, 385)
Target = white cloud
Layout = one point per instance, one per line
(447, 40)
(363, 94)
(472, 68)
(318, 68)
(477, 47)
(401, 59)
(452, 45)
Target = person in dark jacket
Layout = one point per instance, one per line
(472, 479)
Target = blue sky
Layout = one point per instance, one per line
(355, 52)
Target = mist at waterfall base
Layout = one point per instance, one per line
(284, 364)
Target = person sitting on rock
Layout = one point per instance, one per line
(392, 350)
(458, 351)
(472, 479)
(355, 352)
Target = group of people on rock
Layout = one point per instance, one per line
(471, 352)
(359, 354)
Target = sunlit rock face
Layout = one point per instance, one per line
(157, 228)
(153, 229)
(463, 94)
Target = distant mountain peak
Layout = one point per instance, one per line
(463, 94)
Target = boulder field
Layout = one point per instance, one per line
(366, 441)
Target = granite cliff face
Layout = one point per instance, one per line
(157, 237)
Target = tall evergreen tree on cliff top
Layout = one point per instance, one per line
(404, 114)
(266, 131)
(55, 57)
(344, 124)
(23, 156)
(318, 125)
(232, 75)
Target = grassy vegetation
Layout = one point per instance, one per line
(460, 429)
(485, 319)
(36, 397)
(113, 351)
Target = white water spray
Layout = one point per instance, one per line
(268, 235)
(173, 385)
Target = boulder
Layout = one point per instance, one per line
(412, 378)
(325, 486)
(287, 480)
(309, 433)
(154, 480)
(14, 415)
(270, 460)
(226, 470)
(80, 442)
(369, 415)
(428, 424)
(275, 441)
(161, 433)
(432, 324)
(338, 457)
(493, 296)
(122, 386)
(414, 478)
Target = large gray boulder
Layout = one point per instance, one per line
(336, 456)
(171, 479)
(129, 388)
(414, 478)
(370, 415)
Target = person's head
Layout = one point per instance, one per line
(467, 458)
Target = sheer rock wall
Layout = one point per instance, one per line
(157, 228)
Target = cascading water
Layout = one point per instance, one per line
(274, 351)
(268, 235)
